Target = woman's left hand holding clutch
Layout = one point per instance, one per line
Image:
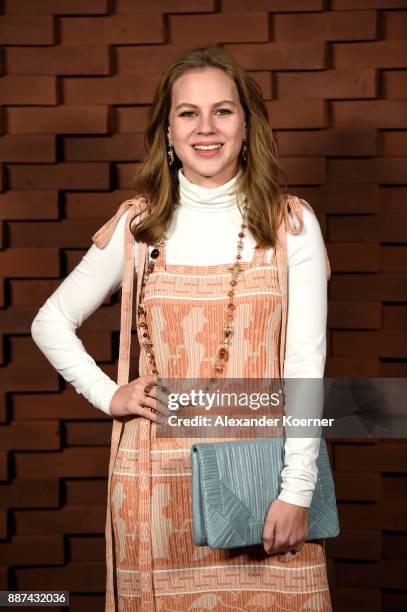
(285, 528)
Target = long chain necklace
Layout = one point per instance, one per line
(222, 354)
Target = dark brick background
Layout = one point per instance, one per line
(77, 79)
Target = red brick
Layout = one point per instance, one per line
(394, 546)
(92, 205)
(168, 6)
(68, 404)
(145, 27)
(304, 170)
(393, 200)
(69, 233)
(385, 574)
(27, 262)
(302, 114)
(30, 435)
(329, 142)
(69, 519)
(20, 205)
(55, 7)
(88, 434)
(27, 148)
(31, 292)
(86, 549)
(380, 457)
(92, 603)
(394, 258)
(134, 59)
(129, 119)
(3, 419)
(354, 257)
(22, 379)
(118, 147)
(382, 343)
(3, 465)
(4, 578)
(125, 174)
(393, 144)
(327, 84)
(137, 89)
(33, 550)
(390, 170)
(264, 81)
(280, 56)
(32, 30)
(39, 90)
(394, 24)
(80, 577)
(58, 60)
(15, 320)
(356, 544)
(271, 6)
(389, 515)
(243, 27)
(362, 486)
(85, 492)
(3, 524)
(341, 199)
(395, 487)
(71, 463)
(396, 602)
(328, 25)
(21, 494)
(395, 316)
(58, 120)
(354, 315)
(348, 367)
(370, 113)
(354, 599)
(379, 54)
(381, 227)
(395, 84)
(366, 4)
(59, 176)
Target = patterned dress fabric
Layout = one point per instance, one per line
(152, 563)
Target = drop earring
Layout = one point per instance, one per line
(170, 152)
(244, 149)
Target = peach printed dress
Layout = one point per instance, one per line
(152, 563)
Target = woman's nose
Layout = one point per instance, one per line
(206, 123)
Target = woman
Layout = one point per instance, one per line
(209, 197)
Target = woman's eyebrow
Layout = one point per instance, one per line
(195, 106)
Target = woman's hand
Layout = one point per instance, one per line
(285, 528)
(142, 397)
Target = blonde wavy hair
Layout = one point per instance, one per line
(156, 181)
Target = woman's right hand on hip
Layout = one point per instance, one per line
(143, 396)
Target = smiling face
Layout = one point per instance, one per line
(206, 110)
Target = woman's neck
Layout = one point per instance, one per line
(207, 200)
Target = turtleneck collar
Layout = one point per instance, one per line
(207, 200)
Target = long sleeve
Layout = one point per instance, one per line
(97, 276)
(305, 354)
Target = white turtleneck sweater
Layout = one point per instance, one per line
(203, 217)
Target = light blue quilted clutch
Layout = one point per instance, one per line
(233, 484)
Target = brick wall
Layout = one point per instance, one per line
(77, 79)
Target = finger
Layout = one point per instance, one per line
(149, 379)
(150, 402)
(161, 397)
(152, 416)
(268, 537)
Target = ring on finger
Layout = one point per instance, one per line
(147, 390)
